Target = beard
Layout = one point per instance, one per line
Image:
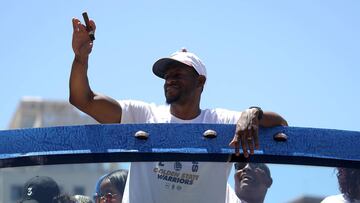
(173, 94)
(170, 99)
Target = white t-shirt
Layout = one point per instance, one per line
(338, 199)
(182, 182)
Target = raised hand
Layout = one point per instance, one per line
(81, 42)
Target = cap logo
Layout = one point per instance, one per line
(29, 191)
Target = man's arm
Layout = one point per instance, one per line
(102, 108)
(272, 119)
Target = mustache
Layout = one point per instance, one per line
(171, 85)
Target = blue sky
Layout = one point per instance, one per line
(297, 58)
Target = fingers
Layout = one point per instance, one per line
(92, 25)
(244, 143)
(237, 148)
(250, 142)
(77, 26)
(253, 138)
(235, 143)
(82, 28)
(75, 22)
(256, 136)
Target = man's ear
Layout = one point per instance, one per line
(269, 182)
(201, 80)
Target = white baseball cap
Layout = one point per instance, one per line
(182, 56)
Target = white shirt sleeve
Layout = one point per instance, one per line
(135, 111)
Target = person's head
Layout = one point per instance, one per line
(40, 189)
(64, 198)
(252, 181)
(184, 76)
(110, 188)
(349, 182)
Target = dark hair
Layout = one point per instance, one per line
(116, 178)
(349, 182)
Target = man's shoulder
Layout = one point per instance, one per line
(132, 102)
(220, 115)
(222, 112)
(138, 103)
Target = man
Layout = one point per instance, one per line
(185, 77)
(40, 189)
(252, 180)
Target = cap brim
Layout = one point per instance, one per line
(161, 65)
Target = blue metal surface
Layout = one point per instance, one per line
(166, 142)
